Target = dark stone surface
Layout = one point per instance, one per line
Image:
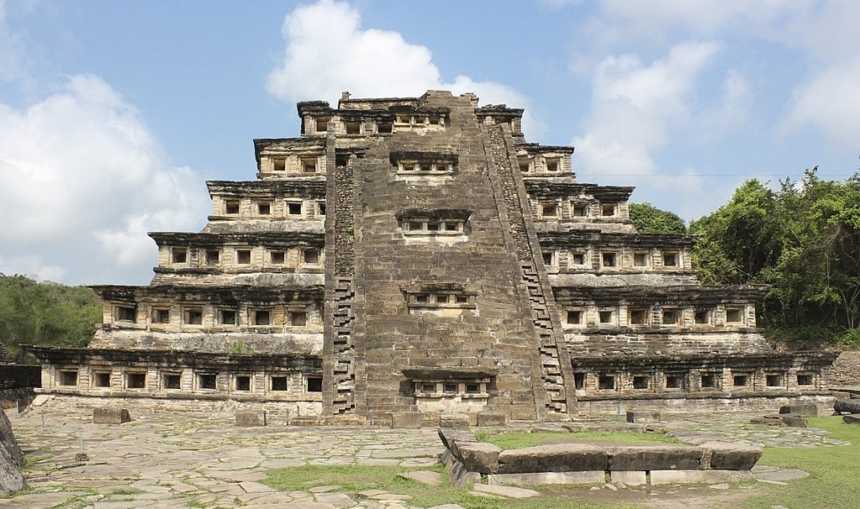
(730, 456)
(851, 419)
(847, 406)
(794, 421)
(478, 456)
(11, 458)
(110, 415)
(655, 458)
(810, 410)
(553, 458)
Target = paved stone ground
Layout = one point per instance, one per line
(164, 460)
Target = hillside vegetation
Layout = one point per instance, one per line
(45, 313)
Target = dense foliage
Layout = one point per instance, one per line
(803, 240)
(649, 219)
(45, 313)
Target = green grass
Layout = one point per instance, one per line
(520, 439)
(354, 478)
(834, 481)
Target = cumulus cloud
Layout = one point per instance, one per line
(830, 102)
(81, 181)
(634, 106)
(327, 51)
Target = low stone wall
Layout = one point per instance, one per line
(468, 460)
(705, 405)
(845, 370)
(279, 413)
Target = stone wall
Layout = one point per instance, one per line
(11, 458)
(846, 369)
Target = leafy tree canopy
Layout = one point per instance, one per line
(45, 313)
(803, 239)
(649, 219)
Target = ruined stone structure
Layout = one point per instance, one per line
(418, 256)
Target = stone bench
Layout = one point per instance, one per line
(468, 460)
(847, 406)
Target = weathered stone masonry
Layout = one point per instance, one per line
(406, 258)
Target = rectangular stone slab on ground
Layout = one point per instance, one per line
(110, 415)
(656, 457)
(553, 458)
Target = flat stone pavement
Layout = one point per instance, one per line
(179, 460)
(185, 459)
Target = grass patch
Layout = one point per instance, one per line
(520, 439)
(355, 478)
(834, 479)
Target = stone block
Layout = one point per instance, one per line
(659, 477)
(454, 421)
(633, 417)
(449, 436)
(478, 457)
(407, 420)
(847, 406)
(250, 418)
(504, 491)
(110, 415)
(553, 458)
(794, 421)
(730, 456)
(655, 457)
(851, 419)
(491, 419)
(536, 478)
(629, 477)
(807, 409)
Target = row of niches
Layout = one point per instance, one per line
(462, 389)
(414, 168)
(425, 227)
(171, 317)
(353, 125)
(199, 381)
(292, 165)
(546, 164)
(656, 315)
(243, 258)
(266, 208)
(624, 259)
(717, 379)
(578, 209)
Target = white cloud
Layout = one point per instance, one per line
(635, 105)
(327, 51)
(31, 266)
(831, 103)
(82, 179)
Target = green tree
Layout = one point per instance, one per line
(649, 219)
(45, 313)
(802, 239)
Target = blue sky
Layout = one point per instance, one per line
(112, 114)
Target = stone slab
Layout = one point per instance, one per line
(659, 477)
(478, 457)
(423, 476)
(110, 415)
(553, 458)
(655, 457)
(731, 456)
(629, 477)
(807, 409)
(847, 406)
(504, 491)
(250, 418)
(538, 478)
(851, 419)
